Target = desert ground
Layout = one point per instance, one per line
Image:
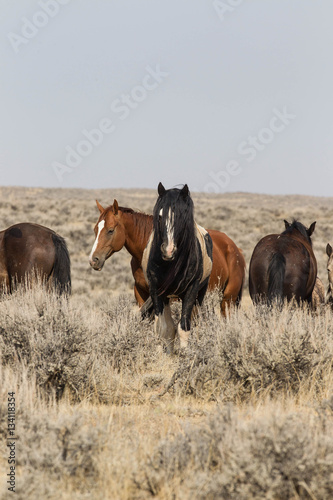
(101, 412)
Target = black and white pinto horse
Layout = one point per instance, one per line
(177, 262)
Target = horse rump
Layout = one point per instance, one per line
(276, 275)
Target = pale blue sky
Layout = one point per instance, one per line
(226, 96)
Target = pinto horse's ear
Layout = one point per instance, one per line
(115, 207)
(185, 191)
(286, 223)
(160, 189)
(99, 206)
(311, 228)
(328, 250)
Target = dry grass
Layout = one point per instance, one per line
(245, 412)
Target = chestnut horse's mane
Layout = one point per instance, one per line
(142, 221)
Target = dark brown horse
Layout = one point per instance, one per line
(118, 227)
(28, 251)
(283, 266)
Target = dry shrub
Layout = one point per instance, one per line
(276, 456)
(256, 352)
(89, 353)
(54, 448)
(40, 330)
(60, 449)
(130, 341)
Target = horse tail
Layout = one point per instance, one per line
(276, 274)
(240, 293)
(62, 266)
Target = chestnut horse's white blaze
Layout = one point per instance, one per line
(101, 225)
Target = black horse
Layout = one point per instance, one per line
(283, 266)
(177, 262)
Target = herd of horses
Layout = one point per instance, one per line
(172, 258)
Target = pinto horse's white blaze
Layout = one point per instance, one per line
(101, 224)
(169, 249)
(170, 232)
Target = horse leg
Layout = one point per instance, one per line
(202, 292)
(189, 301)
(4, 278)
(184, 335)
(164, 325)
(4, 283)
(140, 294)
(141, 289)
(198, 302)
(231, 297)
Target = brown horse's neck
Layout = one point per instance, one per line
(296, 235)
(138, 228)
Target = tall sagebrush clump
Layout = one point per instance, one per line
(256, 352)
(68, 347)
(278, 455)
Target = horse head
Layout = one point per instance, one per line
(300, 228)
(170, 215)
(110, 235)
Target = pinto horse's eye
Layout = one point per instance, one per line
(110, 231)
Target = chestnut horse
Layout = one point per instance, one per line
(29, 250)
(283, 266)
(119, 227)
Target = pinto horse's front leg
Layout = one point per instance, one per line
(184, 326)
(164, 325)
(193, 297)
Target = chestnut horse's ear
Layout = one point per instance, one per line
(99, 206)
(185, 191)
(328, 250)
(286, 223)
(311, 228)
(160, 189)
(115, 207)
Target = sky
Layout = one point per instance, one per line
(224, 95)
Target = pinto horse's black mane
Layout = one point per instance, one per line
(296, 225)
(184, 234)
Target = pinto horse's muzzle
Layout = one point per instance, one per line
(168, 252)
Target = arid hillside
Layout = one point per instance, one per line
(244, 217)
